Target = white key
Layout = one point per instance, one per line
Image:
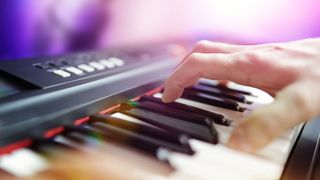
(108, 64)
(188, 167)
(238, 162)
(74, 70)
(126, 117)
(23, 163)
(61, 139)
(130, 119)
(61, 73)
(116, 61)
(86, 68)
(97, 66)
(261, 96)
(277, 151)
(224, 133)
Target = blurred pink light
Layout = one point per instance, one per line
(252, 20)
(265, 20)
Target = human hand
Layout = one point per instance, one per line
(290, 71)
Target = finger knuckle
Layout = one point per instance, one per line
(194, 59)
(252, 56)
(254, 60)
(278, 47)
(203, 44)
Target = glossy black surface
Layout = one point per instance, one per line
(226, 89)
(219, 93)
(212, 100)
(216, 117)
(142, 129)
(169, 111)
(173, 124)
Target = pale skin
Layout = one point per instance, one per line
(290, 71)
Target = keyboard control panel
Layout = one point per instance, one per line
(46, 72)
(65, 69)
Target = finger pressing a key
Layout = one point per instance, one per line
(194, 67)
(252, 68)
(291, 68)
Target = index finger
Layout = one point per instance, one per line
(200, 65)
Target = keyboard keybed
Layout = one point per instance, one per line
(188, 135)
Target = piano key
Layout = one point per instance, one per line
(196, 168)
(215, 101)
(173, 124)
(130, 119)
(121, 152)
(143, 130)
(23, 163)
(276, 151)
(183, 170)
(219, 93)
(228, 114)
(111, 133)
(172, 112)
(69, 140)
(210, 83)
(255, 167)
(161, 143)
(144, 143)
(224, 133)
(217, 118)
(49, 146)
(82, 142)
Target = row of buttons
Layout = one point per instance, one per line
(81, 69)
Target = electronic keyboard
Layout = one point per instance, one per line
(65, 102)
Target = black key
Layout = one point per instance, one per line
(219, 93)
(217, 118)
(144, 143)
(173, 125)
(119, 136)
(168, 144)
(224, 88)
(212, 100)
(142, 129)
(49, 146)
(171, 112)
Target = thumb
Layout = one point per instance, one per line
(296, 103)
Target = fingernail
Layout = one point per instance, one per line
(164, 96)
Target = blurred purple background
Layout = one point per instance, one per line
(32, 28)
